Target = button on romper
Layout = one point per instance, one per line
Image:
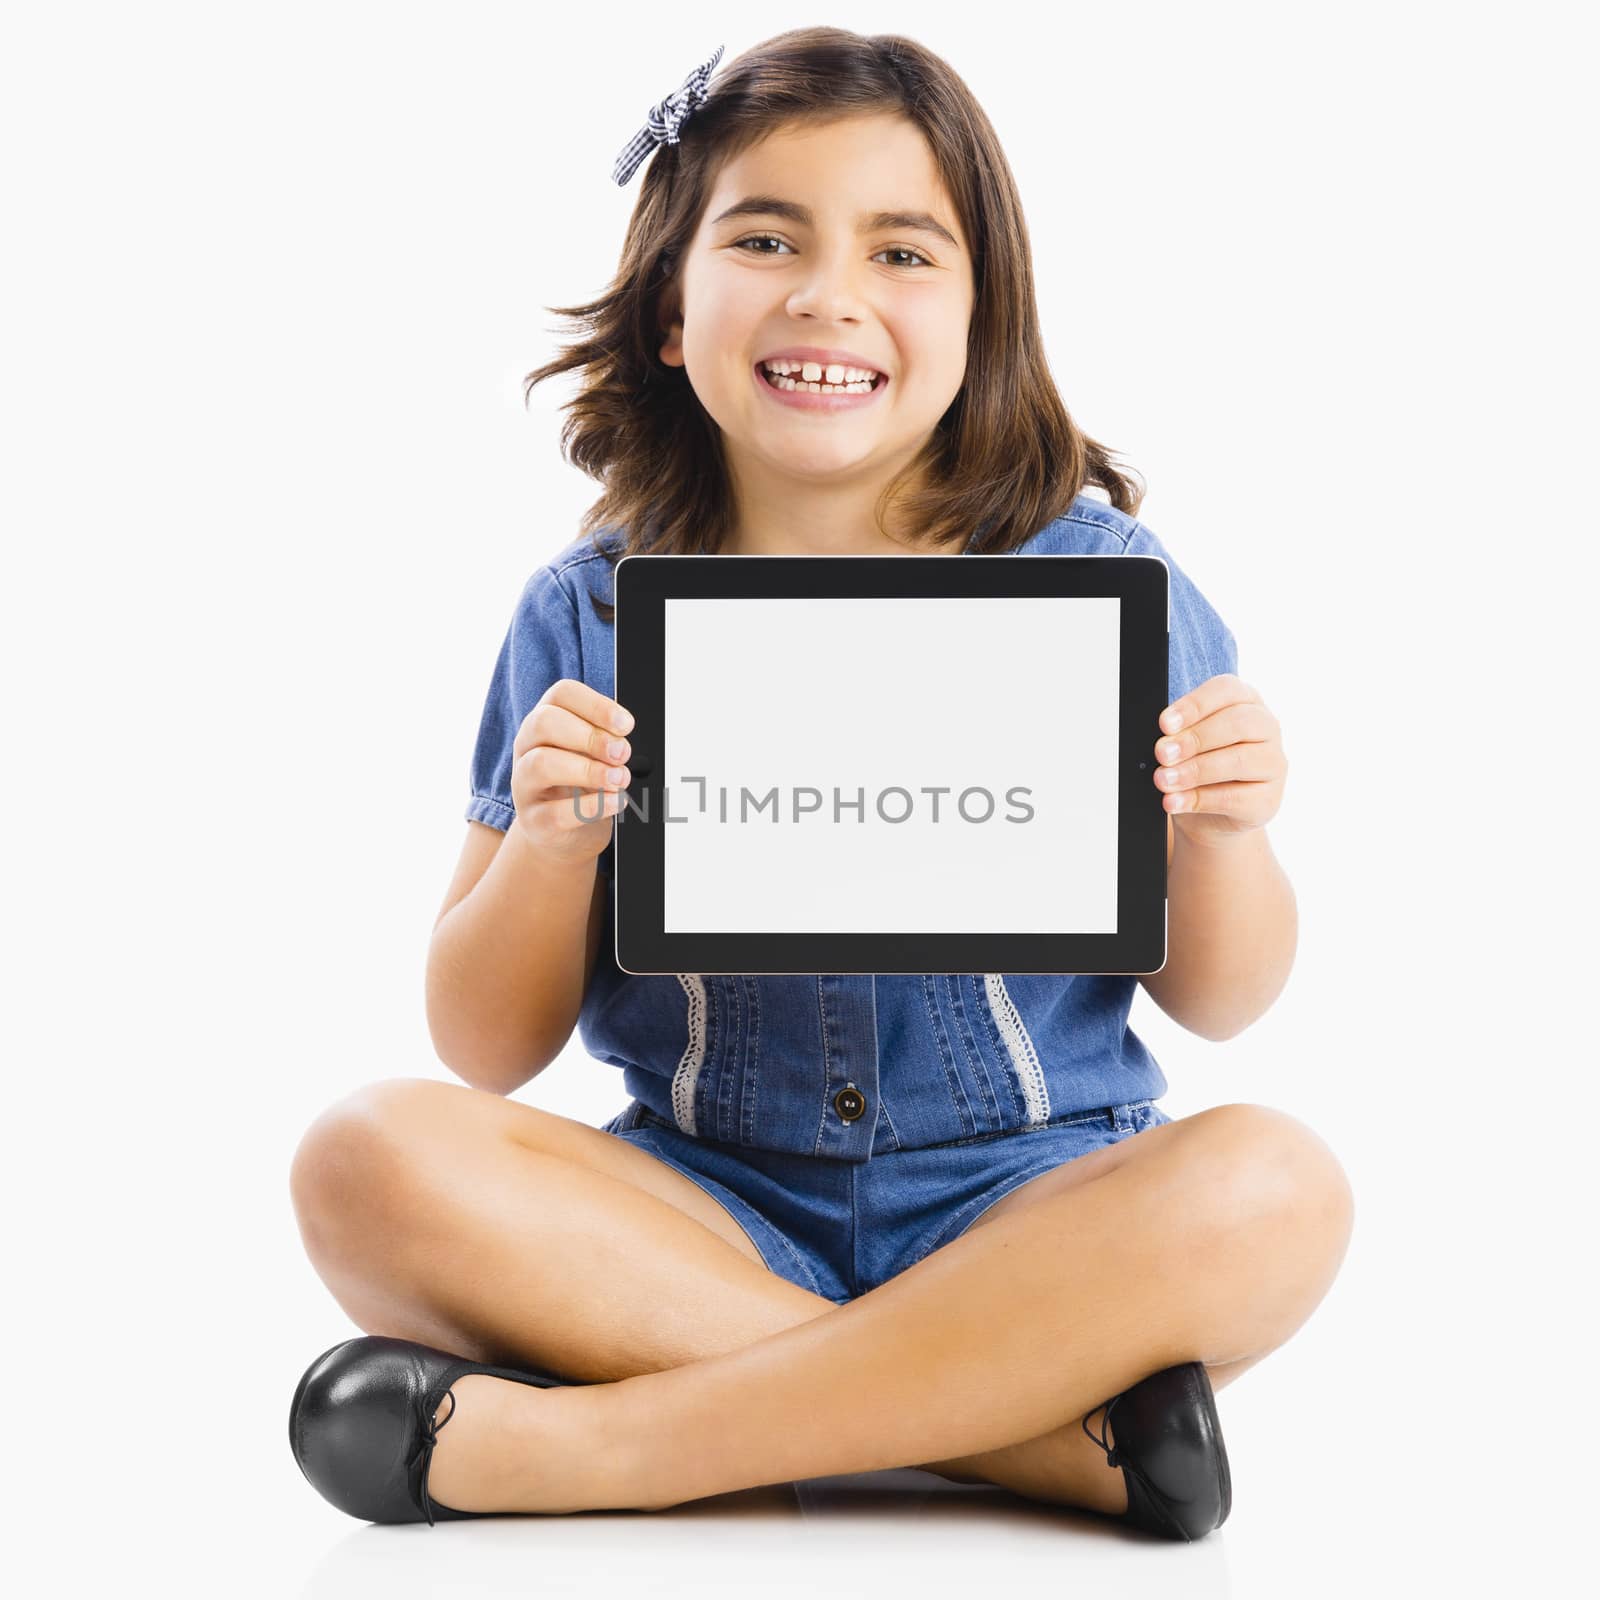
(850, 1123)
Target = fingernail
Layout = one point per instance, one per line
(1169, 751)
(615, 749)
(622, 721)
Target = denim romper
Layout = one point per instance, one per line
(850, 1123)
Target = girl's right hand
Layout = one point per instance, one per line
(567, 772)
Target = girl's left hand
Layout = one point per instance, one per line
(1221, 759)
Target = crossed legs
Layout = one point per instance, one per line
(513, 1236)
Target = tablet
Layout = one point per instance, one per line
(891, 764)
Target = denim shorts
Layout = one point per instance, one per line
(842, 1228)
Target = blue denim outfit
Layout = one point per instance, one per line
(850, 1122)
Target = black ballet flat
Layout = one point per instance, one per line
(362, 1430)
(1169, 1446)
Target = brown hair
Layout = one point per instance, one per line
(1005, 458)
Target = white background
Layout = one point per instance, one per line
(274, 274)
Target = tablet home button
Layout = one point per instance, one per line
(849, 1103)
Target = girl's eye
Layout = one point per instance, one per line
(756, 237)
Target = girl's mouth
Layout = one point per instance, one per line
(805, 398)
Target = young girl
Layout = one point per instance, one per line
(845, 1222)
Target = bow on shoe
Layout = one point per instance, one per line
(665, 118)
(1105, 1423)
(1114, 1460)
(424, 1450)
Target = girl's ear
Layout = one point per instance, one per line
(672, 346)
(669, 324)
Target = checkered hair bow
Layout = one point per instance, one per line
(666, 117)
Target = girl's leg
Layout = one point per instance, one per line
(1213, 1240)
(515, 1236)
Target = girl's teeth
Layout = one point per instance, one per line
(812, 375)
(823, 388)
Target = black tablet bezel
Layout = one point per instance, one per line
(644, 582)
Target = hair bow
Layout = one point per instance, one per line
(664, 120)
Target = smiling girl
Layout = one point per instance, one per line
(845, 1222)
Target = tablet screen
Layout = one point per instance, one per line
(972, 789)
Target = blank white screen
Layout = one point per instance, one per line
(863, 696)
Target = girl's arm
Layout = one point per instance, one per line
(1232, 927)
(510, 958)
(1232, 923)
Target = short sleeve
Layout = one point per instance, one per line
(1200, 645)
(541, 646)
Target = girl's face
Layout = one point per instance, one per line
(823, 249)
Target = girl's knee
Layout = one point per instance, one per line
(1250, 1166)
(356, 1163)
